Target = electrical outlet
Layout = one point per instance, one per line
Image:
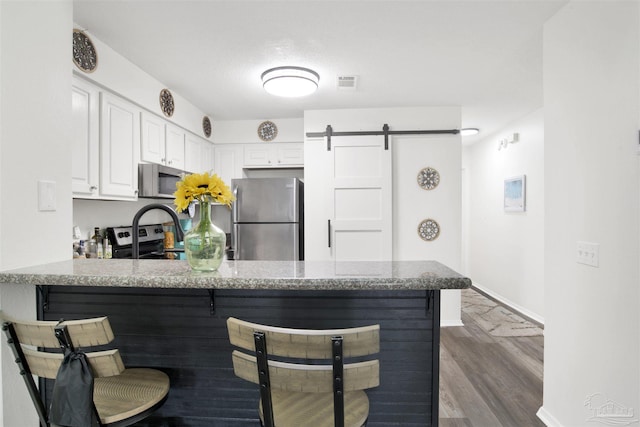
(588, 254)
(46, 196)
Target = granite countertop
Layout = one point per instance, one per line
(299, 275)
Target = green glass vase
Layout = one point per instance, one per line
(205, 243)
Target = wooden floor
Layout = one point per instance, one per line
(488, 381)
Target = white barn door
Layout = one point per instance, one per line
(360, 199)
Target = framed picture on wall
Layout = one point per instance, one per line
(514, 194)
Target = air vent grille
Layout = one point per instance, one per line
(347, 82)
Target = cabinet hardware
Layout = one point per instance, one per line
(93, 188)
(212, 302)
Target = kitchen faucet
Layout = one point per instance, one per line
(135, 247)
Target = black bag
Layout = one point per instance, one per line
(72, 398)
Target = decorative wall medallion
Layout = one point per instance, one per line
(429, 230)
(206, 126)
(166, 102)
(267, 131)
(84, 52)
(428, 178)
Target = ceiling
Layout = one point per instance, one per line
(485, 56)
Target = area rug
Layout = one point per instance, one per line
(494, 318)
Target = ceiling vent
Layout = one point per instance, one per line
(347, 82)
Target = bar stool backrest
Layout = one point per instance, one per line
(285, 344)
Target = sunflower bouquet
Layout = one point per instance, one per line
(201, 187)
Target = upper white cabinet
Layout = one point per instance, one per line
(270, 155)
(228, 161)
(175, 145)
(208, 157)
(193, 155)
(152, 144)
(85, 106)
(119, 145)
(161, 142)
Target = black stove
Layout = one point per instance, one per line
(151, 239)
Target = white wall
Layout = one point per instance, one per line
(35, 117)
(591, 57)
(411, 204)
(505, 250)
(246, 131)
(119, 75)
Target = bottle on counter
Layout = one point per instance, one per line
(93, 243)
(108, 251)
(81, 249)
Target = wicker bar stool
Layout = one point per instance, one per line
(121, 396)
(294, 393)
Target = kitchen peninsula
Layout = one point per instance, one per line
(168, 317)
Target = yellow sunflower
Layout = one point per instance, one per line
(201, 187)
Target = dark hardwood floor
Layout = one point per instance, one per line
(489, 381)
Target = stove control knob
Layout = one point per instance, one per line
(121, 234)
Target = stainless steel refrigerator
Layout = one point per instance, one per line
(267, 219)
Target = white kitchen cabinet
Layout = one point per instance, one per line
(119, 148)
(152, 144)
(228, 161)
(85, 107)
(175, 145)
(193, 154)
(270, 155)
(208, 157)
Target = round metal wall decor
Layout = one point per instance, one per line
(267, 131)
(428, 178)
(206, 126)
(166, 102)
(429, 230)
(84, 52)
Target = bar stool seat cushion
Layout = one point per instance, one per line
(134, 391)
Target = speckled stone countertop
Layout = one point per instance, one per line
(299, 275)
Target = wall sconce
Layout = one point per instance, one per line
(504, 142)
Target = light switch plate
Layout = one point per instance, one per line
(46, 196)
(588, 254)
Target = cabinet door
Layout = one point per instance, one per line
(290, 155)
(153, 139)
(228, 161)
(193, 154)
(359, 199)
(258, 155)
(175, 146)
(85, 139)
(119, 148)
(208, 157)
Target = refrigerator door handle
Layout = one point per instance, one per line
(234, 208)
(329, 231)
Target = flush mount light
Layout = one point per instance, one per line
(290, 82)
(469, 131)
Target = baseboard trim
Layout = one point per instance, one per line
(548, 419)
(449, 323)
(529, 315)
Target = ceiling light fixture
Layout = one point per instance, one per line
(469, 131)
(290, 82)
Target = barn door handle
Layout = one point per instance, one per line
(329, 232)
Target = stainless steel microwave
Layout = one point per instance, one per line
(157, 181)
